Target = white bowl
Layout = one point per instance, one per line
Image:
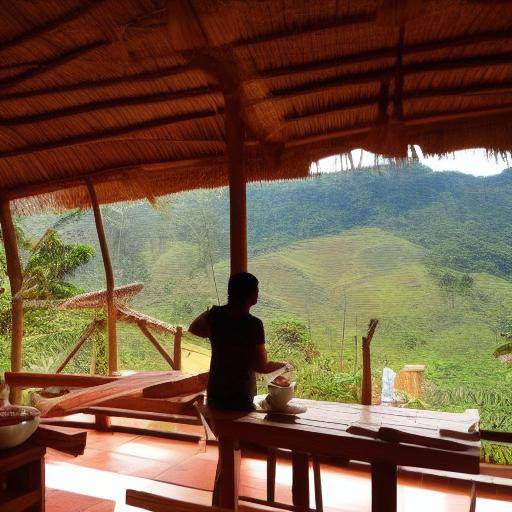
(14, 435)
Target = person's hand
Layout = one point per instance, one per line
(288, 367)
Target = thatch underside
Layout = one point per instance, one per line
(98, 299)
(115, 92)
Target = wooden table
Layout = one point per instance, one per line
(349, 431)
(22, 484)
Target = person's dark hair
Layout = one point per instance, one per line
(241, 286)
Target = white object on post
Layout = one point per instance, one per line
(388, 383)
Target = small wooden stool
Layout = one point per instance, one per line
(22, 478)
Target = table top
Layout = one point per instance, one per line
(411, 437)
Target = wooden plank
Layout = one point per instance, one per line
(21, 502)
(15, 275)
(180, 405)
(384, 487)
(24, 380)
(339, 443)
(271, 473)
(67, 440)
(394, 435)
(300, 484)
(109, 278)
(185, 385)
(156, 503)
(143, 415)
(228, 475)
(79, 399)
(157, 345)
(317, 476)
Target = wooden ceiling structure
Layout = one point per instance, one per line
(114, 100)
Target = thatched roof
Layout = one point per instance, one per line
(130, 316)
(98, 299)
(113, 90)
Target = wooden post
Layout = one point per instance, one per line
(235, 135)
(81, 340)
(366, 388)
(16, 281)
(109, 276)
(177, 347)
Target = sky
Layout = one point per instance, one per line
(474, 161)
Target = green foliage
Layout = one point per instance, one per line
(49, 263)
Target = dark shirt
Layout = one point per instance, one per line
(232, 381)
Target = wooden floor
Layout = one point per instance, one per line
(96, 481)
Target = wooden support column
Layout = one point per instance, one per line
(109, 277)
(16, 281)
(235, 136)
(177, 347)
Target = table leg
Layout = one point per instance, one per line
(384, 487)
(300, 487)
(225, 493)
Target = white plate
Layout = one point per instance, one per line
(289, 410)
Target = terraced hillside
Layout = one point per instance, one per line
(376, 274)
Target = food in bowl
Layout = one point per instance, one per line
(279, 396)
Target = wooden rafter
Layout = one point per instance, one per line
(52, 64)
(416, 120)
(384, 53)
(94, 85)
(108, 174)
(129, 101)
(76, 140)
(50, 26)
(104, 175)
(356, 19)
(335, 82)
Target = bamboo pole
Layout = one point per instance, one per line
(15, 274)
(156, 344)
(237, 187)
(81, 340)
(109, 277)
(177, 347)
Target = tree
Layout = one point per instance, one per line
(49, 263)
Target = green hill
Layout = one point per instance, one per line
(379, 275)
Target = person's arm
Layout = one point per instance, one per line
(201, 325)
(263, 365)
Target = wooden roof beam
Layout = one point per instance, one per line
(52, 64)
(99, 106)
(417, 120)
(384, 53)
(102, 176)
(76, 140)
(50, 26)
(484, 88)
(94, 85)
(319, 86)
(326, 25)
